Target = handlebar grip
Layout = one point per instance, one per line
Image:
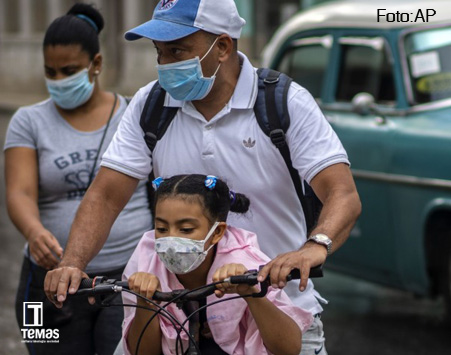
(86, 283)
(316, 271)
(162, 296)
(250, 279)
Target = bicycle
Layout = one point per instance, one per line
(187, 300)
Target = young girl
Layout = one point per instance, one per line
(190, 214)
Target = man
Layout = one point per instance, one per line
(215, 86)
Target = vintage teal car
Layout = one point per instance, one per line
(381, 72)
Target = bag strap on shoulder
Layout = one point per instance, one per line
(155, 117)
(271, 110)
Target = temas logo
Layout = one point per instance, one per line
(33, 316)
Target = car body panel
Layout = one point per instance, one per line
(400, 151)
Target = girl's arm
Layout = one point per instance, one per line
(145, 284)
(280, 333)
(21, 177)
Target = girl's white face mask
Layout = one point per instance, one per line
(182, 255)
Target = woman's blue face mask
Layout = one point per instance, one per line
(71, 92)
(184, 80)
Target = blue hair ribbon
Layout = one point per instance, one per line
(232, 196)
(88, 20)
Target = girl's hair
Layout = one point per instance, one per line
(216, 201)
(81, 25)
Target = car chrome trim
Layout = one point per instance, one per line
(388, 110)
(431, 105)
(401, 179)
(377, 43)
(326, 41)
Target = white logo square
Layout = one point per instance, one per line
(33, 314)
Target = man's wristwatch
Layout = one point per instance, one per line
(323, 240)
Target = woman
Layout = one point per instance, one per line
(52, 153)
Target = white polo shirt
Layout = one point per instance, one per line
(233, 147)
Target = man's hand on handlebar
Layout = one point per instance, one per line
(232, 270)
(58, 281)
(310, 255)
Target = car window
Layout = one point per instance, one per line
(365, 67)
(306, 61)
(428, 56)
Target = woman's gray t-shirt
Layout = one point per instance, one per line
(66, 157)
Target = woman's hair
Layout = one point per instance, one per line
(216, 200)
(81, 25)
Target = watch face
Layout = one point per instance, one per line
(321, 238)
(324, 240)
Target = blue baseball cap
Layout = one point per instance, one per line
(175, 19)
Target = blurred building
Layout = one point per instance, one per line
(128, 65)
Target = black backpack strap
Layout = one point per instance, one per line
(271, 110)
(155, 120)
(155, 117)
(272, 100)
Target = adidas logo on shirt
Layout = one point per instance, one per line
(249, 143)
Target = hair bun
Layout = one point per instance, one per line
(89, 12)
(240, 203)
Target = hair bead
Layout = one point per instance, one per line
(210, 182)
(157, 182)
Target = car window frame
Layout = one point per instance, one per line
(413, 105)
(377, 43)
(308, 37)
(327, 99)
(399, 108)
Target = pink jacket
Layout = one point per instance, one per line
(231, 323)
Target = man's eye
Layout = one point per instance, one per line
(176, 51)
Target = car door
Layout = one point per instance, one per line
(335, 67)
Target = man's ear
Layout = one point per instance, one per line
(219, 232)
(225, 45)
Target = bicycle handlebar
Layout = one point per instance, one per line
(100, 285)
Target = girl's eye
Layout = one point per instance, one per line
(186, 230)
(161, 230)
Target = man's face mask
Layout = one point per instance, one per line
(71, 92)
(184, 80)
(182, 255)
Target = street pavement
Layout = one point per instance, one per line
(360, 319)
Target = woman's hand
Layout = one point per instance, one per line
(232, 270)
(144, 283)
(44, 248)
